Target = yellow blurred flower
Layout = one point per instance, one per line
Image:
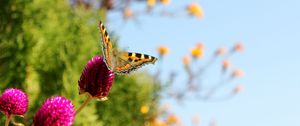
(127, 13)
(144, 109)
(239, 47)
(163, 50)
(238, 73)
(238, 89)
(165, 2)
(172, 119)
(195, 10)
(221, 51)
(186, 60)
(225, 64)
(151, 3)
(198, 51)
(156, 122)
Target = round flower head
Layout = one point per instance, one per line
(128, 13)
(13, 101)
(144, 109)
(186, 60)
(151, 3)
(96, 79)
(55, 111)
(172, 119)
(197, 52)
(163, 50)
(238, 47)
(195, 10)
(237, 73)
(225, 64)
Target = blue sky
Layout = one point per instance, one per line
(270, 30)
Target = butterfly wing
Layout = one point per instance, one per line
(107, 48)
(121, 62)
(130, 61)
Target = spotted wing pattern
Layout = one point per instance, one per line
(107, 48)
(130, 61)
(121, 62)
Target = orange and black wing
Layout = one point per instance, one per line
(130, 61)
(107, 48)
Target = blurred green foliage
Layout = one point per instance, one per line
(14, 44)
(44, 46)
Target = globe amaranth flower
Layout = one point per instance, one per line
(13, 101)
(96, 79)
(55, 111)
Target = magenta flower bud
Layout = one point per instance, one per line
(55, 111)
(96, 79)
(13, 101)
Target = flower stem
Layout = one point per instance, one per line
(84, 104)
(8, 118)
(16, 123)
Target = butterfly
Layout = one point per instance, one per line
(121, 62)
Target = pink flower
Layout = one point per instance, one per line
(96, 79)
(55, 111)
(13, 101)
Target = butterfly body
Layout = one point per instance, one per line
(122, 62)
